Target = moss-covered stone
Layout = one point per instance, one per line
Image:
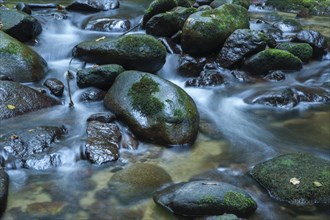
(156, 7)
(238, 201)
(302, 50)
(272, 59)
(275, 175)
(19, 62)
(205, 32)
(155, 109)
(137, 51)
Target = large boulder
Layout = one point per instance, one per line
(298, 179)
(302, 50)
(205, 198)
(93, 5)
(240, 44)
(4, 185)
(17, 99)
(101, 77)
(169, 23)
(205, 32)
(134, 52)
(20, 25)
(137, 181)
(19, 62)
(156, 7)
(272, 59)
(155, 109)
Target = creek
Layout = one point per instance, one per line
(244, 134)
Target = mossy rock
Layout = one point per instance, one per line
(183, 3)
(20, 25)
(156, 7)
(205, 198)
(168, 23)
(155, 109)
(137, 181)
(19, 62)
(134, 52)
(302, 50)
(272, 59)
(312, 173)
(101, 77)
(205, 32)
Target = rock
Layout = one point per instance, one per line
(137, 52)
(183, 3)
(313, 38)
(302, 50)
(202, 2)
(19, 62)
(277, 75)
(155, 109)
(205, 198)
(297, 178)
(108, 25)
(243, 3)
(240, 44)
(17, 99)
(104, 117)
(205, 32)
(21, 6)
(20, 25)
(46, 209)
(55, 86)
(169, 23)
(217, 3)
(288, 25)
(207, 78)
(93, 5)
(45, 160)
(313, 94)
(137, 181)
(102, 143)
(156, 7)
(92, 95)
(190, 66)
(4, 185)
(101, 77)
(283, 97)
(272, 59)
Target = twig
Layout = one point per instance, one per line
(126, 32)
(69, 76)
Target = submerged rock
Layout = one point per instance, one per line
(136, 51)
(17, 99)
(19, 62)
(137, 181)
(93, 5)
(298, 179)
(302, 50)
(4, 185)
(109, 25)
(155, 109)
(20, 25)
(156, 7)
(205, 198)
(271, 59)
(204, 32)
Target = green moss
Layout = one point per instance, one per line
(142, 98)
(302, 50)
(325, 173)
(208, 199)
(287, 162)
(238, 201)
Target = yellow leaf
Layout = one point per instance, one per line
(101, 38)
(294, 181)
(11, 107)
(317, 184)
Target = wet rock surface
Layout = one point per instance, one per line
(55, 86)
(109, 25)
(4, 185)
(93, 5)
(156, 7)
(92, 95)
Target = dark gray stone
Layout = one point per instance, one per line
(93, 5)
(4, 185)
(55, 86)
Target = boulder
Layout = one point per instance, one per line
(138, 181)
(101, 77)
(17, 99)
(272, 59)
(313, 38)
(19, 62)
(155, 109)
(183, 3)
(207, 78)
(55, 86)
(92, 95)
(240, 44)
(4, 185)
(108, 25)
(133, 52)
(168, 23)
(204, 32)
(93, 5)
(296, 178)
(190, 66)
(156, 7)
(205, 198)
(302, 50)
(20, 25)
(288, 25)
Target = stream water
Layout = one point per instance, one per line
(244, 134)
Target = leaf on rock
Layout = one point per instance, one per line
(11, 107)
(101, 38)
(294, 181)
(317, 184)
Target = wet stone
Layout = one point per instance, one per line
(4, 184)
(109, 25)
(55, 86)
(93, 5)
(92, 95)
(207, 78)
(104, 117)
(190, 66)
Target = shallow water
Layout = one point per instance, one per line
(244, 135)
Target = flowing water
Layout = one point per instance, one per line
(243, 134)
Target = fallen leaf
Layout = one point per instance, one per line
(317, 184)
(11, 107)
(294, 181)
(101, 38)
(14, 137)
